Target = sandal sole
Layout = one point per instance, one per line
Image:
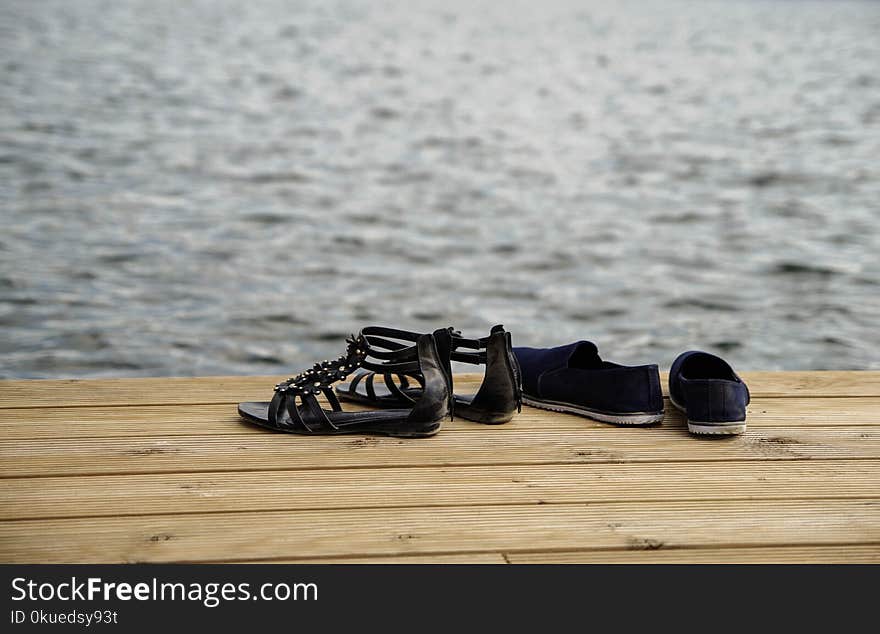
(392, 429)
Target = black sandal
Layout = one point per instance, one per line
(419, 417)
(496, 401)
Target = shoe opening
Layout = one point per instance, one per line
(586, 357)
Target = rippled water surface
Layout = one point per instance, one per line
(231, 187)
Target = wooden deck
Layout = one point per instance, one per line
(134, 470)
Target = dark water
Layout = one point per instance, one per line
(200, 188)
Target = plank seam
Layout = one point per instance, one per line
(263, 434)
(399, 507)
(758, 395)
(525, 551)
(444, 466)
(427, 467)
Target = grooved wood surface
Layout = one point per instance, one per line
(163, 470)
(232, 389)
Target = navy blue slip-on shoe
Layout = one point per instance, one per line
(575, 380)
(709, 392)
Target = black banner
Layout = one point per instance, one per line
(134, 597)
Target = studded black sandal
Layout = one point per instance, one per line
(295, 408)
(496, 401)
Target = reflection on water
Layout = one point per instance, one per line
(199, 188)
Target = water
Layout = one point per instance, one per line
(224, 188)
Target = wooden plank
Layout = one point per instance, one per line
(187, 420)
(122, 422)
(149, 391)
(849, 554)
(365, 532)
(818, 411)
(158, 391)
(434, 486)
(456, 558)
(503, 444)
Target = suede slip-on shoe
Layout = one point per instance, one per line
(709, 392)
(575, 380)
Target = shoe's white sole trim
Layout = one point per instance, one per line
(717, 429)
(602, 417)
(713, 429)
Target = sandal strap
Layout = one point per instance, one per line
(479, 356)
(308, 415)
(391, 351)
(399, 392)
(407, 367)
(381, 343)
(371, 388)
